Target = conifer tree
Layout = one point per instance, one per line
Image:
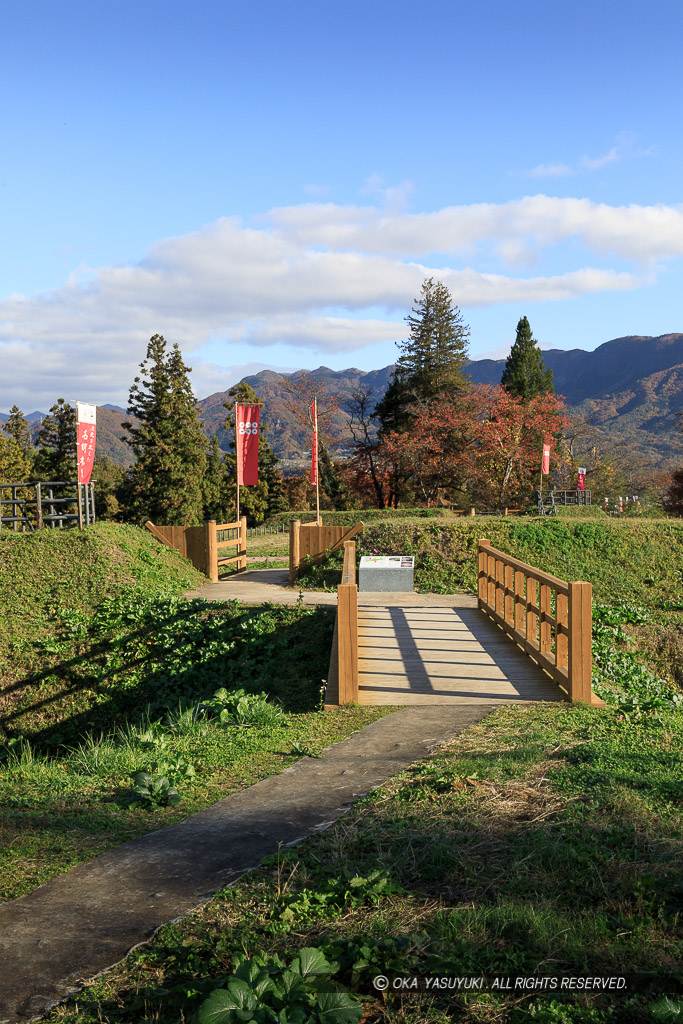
(330, 480)
(56, 443)
(267, 497)
(17, 426)
(214, 495)
(16, 453)
(165, 483)
(526, 375)
(433, 359)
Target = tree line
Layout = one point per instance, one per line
(433, 438)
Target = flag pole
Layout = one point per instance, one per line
(237, 461)
(317, 467)
(542, 455)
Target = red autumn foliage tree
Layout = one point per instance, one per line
(487, 443)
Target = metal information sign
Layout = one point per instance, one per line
(390, 573)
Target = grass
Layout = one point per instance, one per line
(546, 840)
(111, 675)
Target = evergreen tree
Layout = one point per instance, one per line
(56, 443)
(214, 496)
(433, 359)
(331, 482)
(267, 497)
(526, 375)
(16, 453)
(18, 428)
(165, 483)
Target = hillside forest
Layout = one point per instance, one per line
(433, 430)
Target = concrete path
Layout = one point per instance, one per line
(271, 586)
(65, 932)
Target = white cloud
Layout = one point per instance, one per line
(317, 278)
(549, 171)
(625, 148)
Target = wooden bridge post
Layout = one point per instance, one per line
(347, 639)
(294, 548)
(242, 564)
(211, 547)
(580, 641)
(483, 571)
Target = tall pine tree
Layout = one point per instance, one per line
(165, 483)
(433, 359)
(56, 443)
(16, 453)
(526, 375)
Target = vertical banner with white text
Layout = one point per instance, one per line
(546, 459)
(86, 417)
(247, 427)
(581, 478)
(314, 449)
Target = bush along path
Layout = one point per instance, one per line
(85, 920)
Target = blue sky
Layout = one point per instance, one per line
(268, 185)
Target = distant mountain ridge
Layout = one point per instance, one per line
(628, 389)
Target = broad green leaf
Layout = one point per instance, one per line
(222, 1004)
(310, 962)
(338, 1008)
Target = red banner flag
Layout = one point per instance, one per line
(581, 478)
(247, 427)
(86, 428)
(314, 450)
(546, 459)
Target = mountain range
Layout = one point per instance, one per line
(624, 395)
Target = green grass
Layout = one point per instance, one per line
(546, 840)
(110, 675)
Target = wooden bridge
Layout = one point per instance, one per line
(526, 637)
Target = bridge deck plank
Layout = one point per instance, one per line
(443, 655)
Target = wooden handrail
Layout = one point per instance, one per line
(518, 597)
(342, 678)
(349, 569)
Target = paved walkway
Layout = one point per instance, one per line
(65, 932)
(271, 585)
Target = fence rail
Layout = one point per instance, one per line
(47, 504)
(314, 540)
(521, 599)
(200, 544)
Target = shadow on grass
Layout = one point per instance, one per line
(175, 655)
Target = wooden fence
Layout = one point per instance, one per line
(313, 540)
(519, 598)
(200, 544)
(47, 504)
(342, 677)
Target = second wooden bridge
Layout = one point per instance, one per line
(526, 637)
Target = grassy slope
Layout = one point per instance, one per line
(545, 840)
(94, 644)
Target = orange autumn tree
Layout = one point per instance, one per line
(486, 443)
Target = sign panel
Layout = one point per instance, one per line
(581, 478)
(247, 427)
(86, 428)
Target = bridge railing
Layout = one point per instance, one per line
(549, 618)
(342, 678)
